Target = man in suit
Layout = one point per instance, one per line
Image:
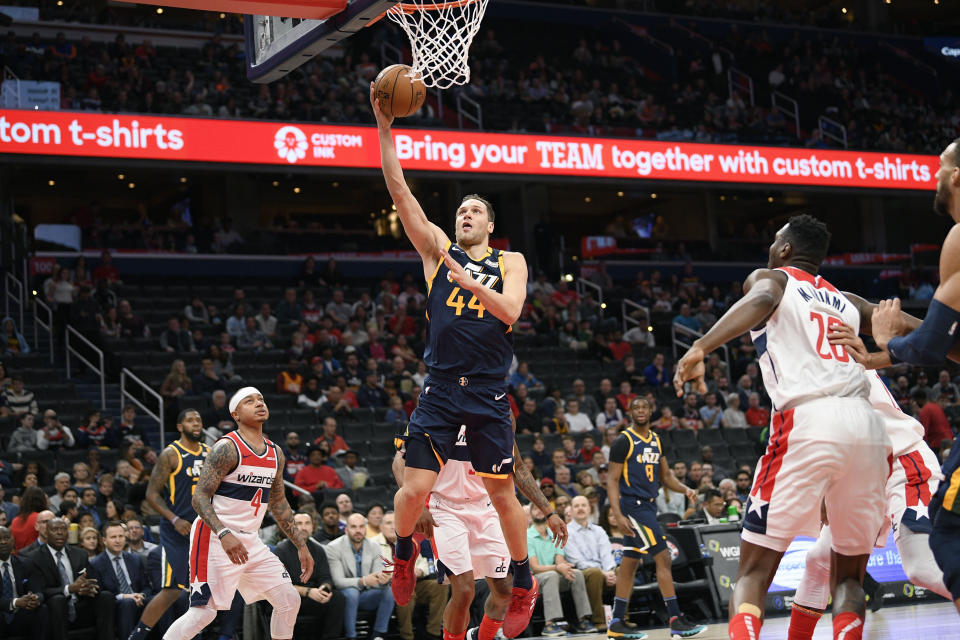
(21, 612)
(122, 574)
(357, 572)
(43, 518)
(65, 578)
(318, 599)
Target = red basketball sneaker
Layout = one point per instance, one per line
(404, 578)
(520, 609)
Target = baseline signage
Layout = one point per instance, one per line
(162, 138)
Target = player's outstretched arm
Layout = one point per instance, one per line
(427, 238)
(527, 485)
(763, 290)
(159, 477)
(283, 516)
(505, 306)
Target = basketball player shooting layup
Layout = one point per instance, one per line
(827, 444)
(929, 344)
(235, 490)
(474, 295)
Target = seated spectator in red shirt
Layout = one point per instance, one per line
(587, 449)
(106, 270)
(563, 296)
(317, 475)
(757, 416)
(936, 427)
(625, 396)
(400, 324)
(619, 347)
(335, 440)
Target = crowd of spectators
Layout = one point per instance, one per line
(601, 86)
(337, 354)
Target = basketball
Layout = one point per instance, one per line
(400, 93)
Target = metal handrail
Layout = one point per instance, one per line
(476, 119)
(795, 114)
(290, 485)
(834, 125)
(37, 324)
(583, 283)
(126, 395)
(11, 279)
(683, 342)
(101, 370)
(628, 319)
(737, 79)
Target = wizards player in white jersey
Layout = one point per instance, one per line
(474, 295)
(827, 444)
(241, 478)
(910, 488)
(466, 536)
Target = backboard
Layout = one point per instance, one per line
(278, 45)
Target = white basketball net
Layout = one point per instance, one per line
(440, 34)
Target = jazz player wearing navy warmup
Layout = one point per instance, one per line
(170, 492)
(474, 295)
(637, 469)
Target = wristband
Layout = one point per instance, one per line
(552, 513)
(175, 520)
(223, 532)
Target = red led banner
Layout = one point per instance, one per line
(98, 135)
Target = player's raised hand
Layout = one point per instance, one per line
(845, 336)
(425, 524)
(689, 368)
(559, 529)
(306, 562)
(383, 120)
(234, 549)
(887, 322)
(458, 274)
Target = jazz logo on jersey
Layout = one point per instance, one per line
(462, 436)
(504, 464)
(649, 457)
(194, 471)
(486, 279)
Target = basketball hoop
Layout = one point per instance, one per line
(440, 34)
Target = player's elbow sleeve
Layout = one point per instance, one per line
(928, 344)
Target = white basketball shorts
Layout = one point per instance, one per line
(468, 538)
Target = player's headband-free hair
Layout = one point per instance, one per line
(240, 395)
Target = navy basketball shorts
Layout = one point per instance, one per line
(462, 412)
(175, 559)
(648, 537)
(944, 542)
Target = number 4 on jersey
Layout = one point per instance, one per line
(256, 502)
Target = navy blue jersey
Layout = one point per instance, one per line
(183, 479)
(463, 338)
(640, 458)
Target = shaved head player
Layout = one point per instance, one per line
(474, 295)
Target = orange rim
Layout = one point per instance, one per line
(410, 8)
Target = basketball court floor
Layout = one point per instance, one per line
(938, 621)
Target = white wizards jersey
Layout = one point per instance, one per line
(797, 361)
(457, 480)
(904, 431)
(241, 499)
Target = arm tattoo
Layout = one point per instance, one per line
(527, 485)
(221, 460)
(280, 508)
(159, 477)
